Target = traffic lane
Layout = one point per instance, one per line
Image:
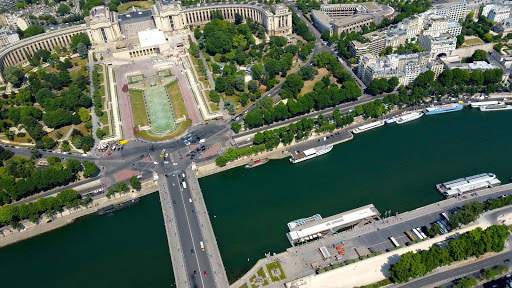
(458, 272)
(202, 256)
(178, 203)
(190, 234)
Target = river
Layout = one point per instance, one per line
(125, 249)
(394, 167)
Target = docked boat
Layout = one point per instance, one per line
(496, 107)
(116, 207)
(445, 108)
(303, 221)
(483, 103)
(409, 116)
(310, 153)
(367, 127)
(390, 120)
(256, 163)
(468, 184)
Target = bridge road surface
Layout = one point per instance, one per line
(189, 234)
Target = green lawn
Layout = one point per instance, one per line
(473, 41)
(138, 108)
(275, 265)
(178, 105)
(144, 5)
(145, 135)
(104, 118)
(244, 286)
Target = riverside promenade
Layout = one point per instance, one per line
(296, 261)
(8, 235)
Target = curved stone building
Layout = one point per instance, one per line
(19, 52)
(107, 27)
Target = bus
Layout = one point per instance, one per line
(421, 232)
(410, 235)
(445, 216)
(417, 234)
(394, 242)
(443, 231)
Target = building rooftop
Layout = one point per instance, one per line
(351, 19)
(133, 17)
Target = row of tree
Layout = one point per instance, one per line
(474, 243)
(48, 205)
(23, 179)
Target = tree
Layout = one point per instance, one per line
(434, 230)
(219, 42)
(32, 31)
(257, 71)
(79, 38)
(253, 86)
(230, 106)
(82, 50)
(85, 116)
(13, 75)
(90, 169)
(74, 165)
(63, 9)
(293, 83)
(479, 55)
(236, 126)
(238, 19)
(135, 183)
(214, 96)
(239, 83)
(220, 84)
(220, 161)
(35, 153)
(467, 282)
(100, 133)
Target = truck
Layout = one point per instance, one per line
(184, 184)
(162, 155)
(202, 245)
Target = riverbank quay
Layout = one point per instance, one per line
(280, 152)
(173, 239)
(297, 261)
(9, 235)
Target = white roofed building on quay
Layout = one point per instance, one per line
(329, 225)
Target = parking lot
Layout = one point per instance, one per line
(375, 235)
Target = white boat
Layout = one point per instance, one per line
(483, 103)
(463, 185)
(310, 153)
(390, 120)
(367, 127)
(496, 107)
(409, 117)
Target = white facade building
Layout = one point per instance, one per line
(454, 9)
(405, 67)
(499, 14)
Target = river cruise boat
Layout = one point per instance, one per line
(445, 108)
(463, 185)
(256, 163)
(496, 107)
(367, 127)
(310, 153)
(483, 103)
(113, 208)
(410, 116)
(303, 221)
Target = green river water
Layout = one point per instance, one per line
(394, 167)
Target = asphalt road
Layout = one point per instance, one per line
(189, 232)
(458, 272)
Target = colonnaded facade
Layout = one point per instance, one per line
(106, 28)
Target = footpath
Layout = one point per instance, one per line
(9, 235)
